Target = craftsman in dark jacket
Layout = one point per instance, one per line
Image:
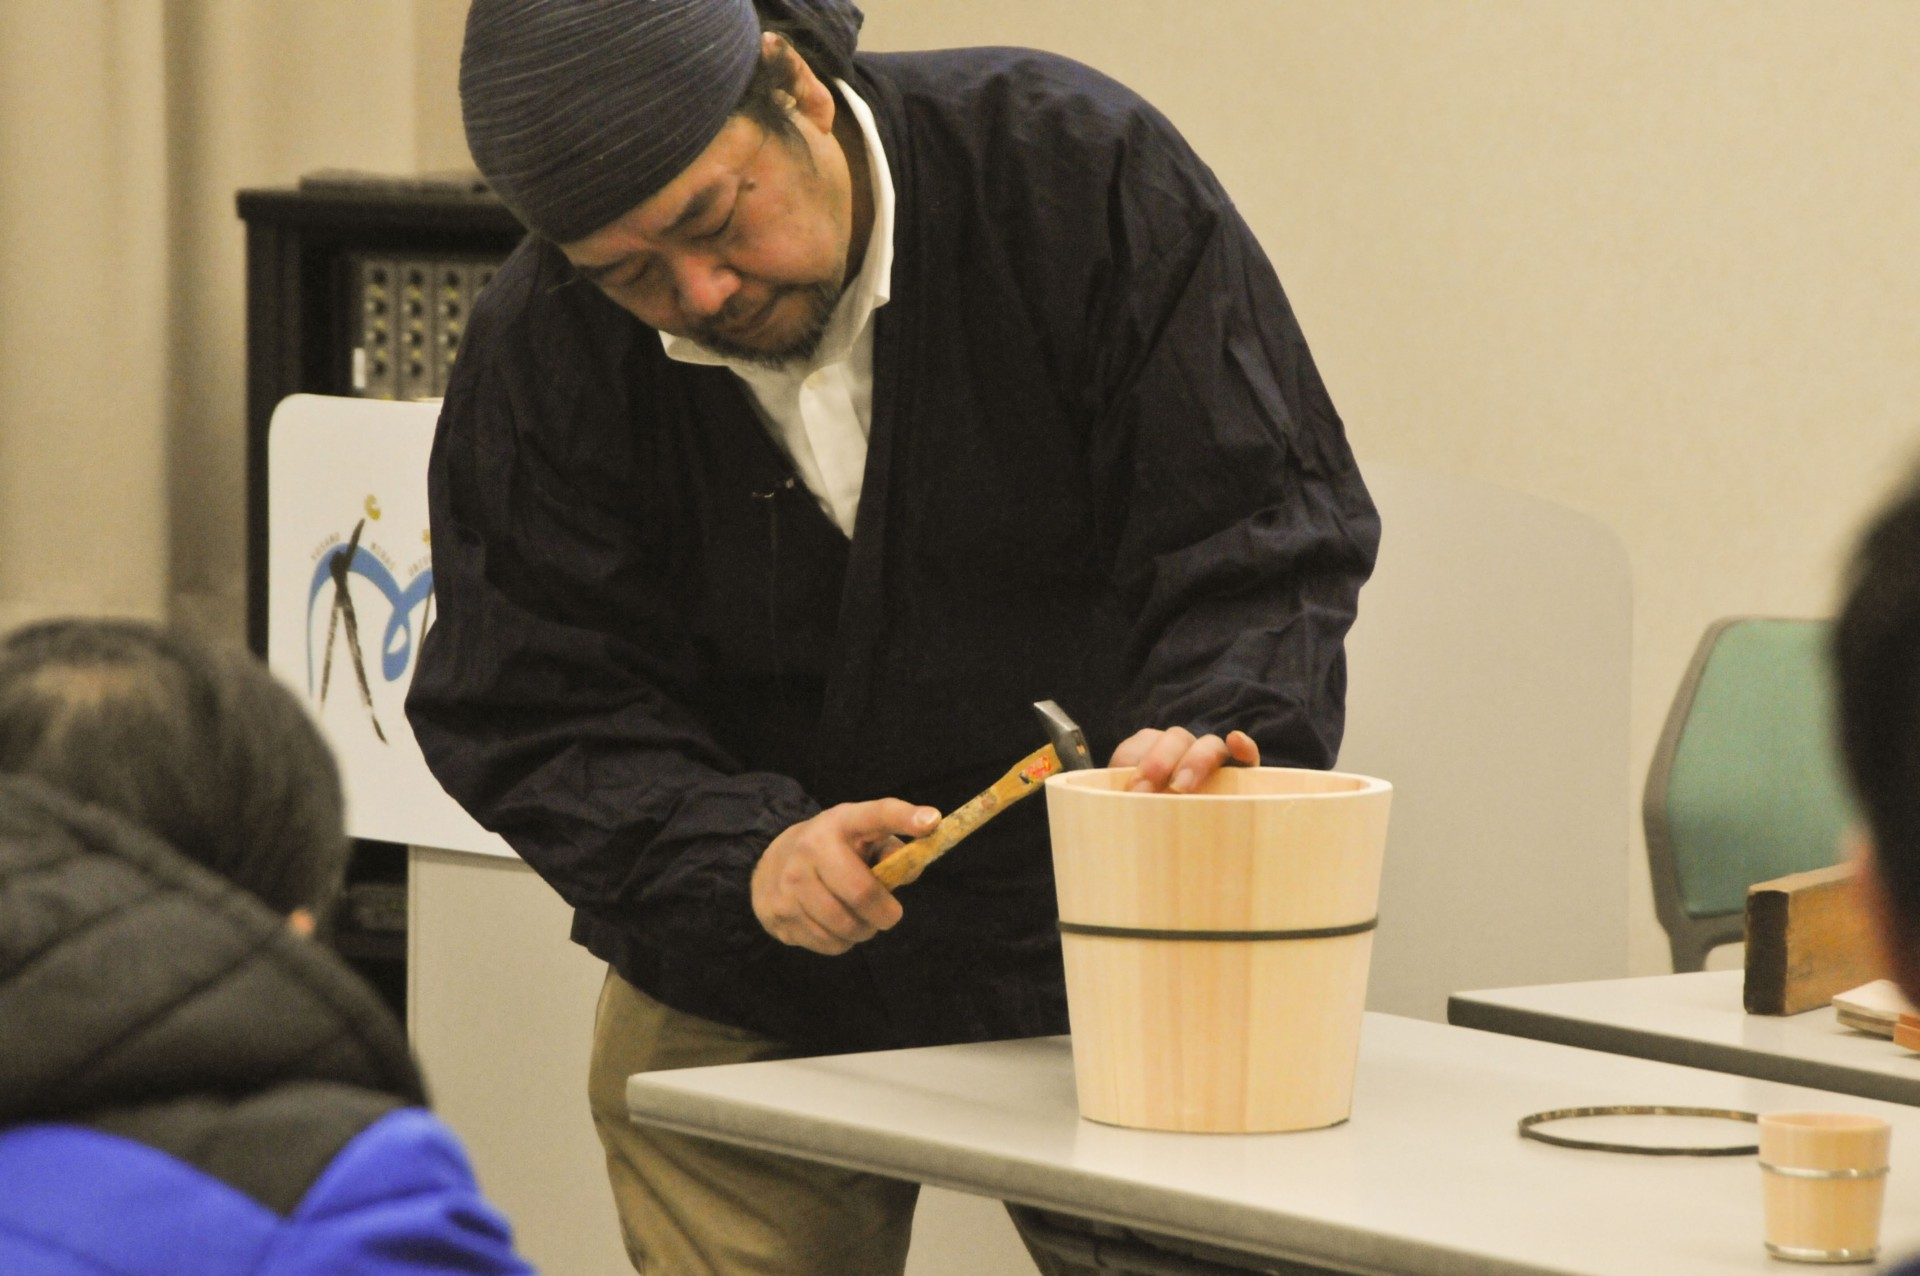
(186, 1083)
(1099, 467)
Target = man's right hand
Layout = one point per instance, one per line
(814, 886)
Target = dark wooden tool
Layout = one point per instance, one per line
(1065, 750)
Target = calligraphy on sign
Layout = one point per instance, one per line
(357, 582)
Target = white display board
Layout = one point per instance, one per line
(351, 474)
(1489, 675)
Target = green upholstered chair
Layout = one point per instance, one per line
(1745, 784)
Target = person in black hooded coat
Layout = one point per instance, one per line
(187, 1082)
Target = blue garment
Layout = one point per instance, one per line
(399, 1198)
(186, 1086)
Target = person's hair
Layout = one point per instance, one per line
(1876, 656)
(196, 743)
(773, 74)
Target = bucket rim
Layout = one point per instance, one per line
(1369, 785)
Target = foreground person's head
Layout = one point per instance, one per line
(1877, 666)
(196, 743)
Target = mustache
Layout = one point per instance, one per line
(721, 335)
(737, 315)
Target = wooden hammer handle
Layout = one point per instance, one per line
(906, 863)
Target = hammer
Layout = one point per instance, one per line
(1065, 750)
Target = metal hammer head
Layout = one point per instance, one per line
(1065, 733)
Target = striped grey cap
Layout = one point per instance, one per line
(579, 110)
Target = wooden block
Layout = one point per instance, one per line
(1807, 939)
(1906, 1033)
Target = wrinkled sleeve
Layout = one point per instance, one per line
(1241, 526)
(557, 696)
(399, 1199)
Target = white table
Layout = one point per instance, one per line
(1698, 1020)
(1429, 1177)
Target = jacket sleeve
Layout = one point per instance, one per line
(1242, 531)
(399, 1199)
(557, 696)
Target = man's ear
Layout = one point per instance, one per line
(1899, 951)
(811, 97)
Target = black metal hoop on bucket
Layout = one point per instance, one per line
(1218, 936)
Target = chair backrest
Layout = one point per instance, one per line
(1745, 784)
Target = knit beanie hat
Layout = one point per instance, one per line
(577, 111)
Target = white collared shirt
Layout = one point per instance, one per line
(821, 410)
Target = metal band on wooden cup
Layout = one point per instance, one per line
(1802, 1172)
(1799, 1255)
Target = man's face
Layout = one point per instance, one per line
(746, 250)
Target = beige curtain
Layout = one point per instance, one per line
(126, 126)
(83, 309)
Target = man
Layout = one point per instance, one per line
(187, 1084)
(837, 409)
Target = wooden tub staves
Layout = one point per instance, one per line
(1217, 944)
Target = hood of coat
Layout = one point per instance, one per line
(131, 975)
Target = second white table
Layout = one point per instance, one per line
(1698, 1020)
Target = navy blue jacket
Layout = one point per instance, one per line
(1102, 470)
(187, 1086)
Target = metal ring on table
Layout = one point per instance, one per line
(1528, 1129)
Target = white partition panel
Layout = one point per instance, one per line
(500, 1009)
(1489, 681)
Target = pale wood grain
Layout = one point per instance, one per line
(1831, 1215)
(1229, 1036)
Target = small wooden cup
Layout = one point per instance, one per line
(1217, 944)
(1824, 1180)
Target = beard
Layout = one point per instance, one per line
(798, 343)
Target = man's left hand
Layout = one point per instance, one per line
(1173, 761)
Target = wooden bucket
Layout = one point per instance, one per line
(1217, 944)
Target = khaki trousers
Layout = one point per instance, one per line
(692, 1207)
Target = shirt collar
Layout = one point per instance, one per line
(871, 289)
